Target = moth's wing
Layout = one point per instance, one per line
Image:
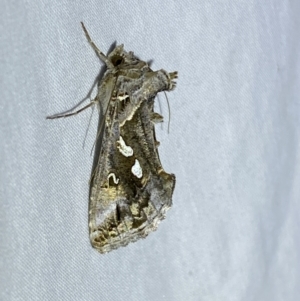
(130, 191)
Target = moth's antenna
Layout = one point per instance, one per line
(169, 109)
(86, 132)
(55, 116)
(100, 54)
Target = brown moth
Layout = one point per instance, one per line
(129, 190)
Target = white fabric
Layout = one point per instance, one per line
(233, 230)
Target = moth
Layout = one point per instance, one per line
(130, 192)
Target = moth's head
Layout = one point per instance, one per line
(122, 59)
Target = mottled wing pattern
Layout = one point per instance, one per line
(130, 192)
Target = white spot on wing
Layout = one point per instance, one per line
(112, 175)
(124, 149)
(122, 97)
(136, 169)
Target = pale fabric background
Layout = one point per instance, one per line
(233, 231)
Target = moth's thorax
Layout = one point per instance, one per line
(124, 61)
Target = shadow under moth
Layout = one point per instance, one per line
(129, 190)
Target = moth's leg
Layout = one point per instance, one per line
(156, 118)
(158, 81)
(101, 55)
(173, 76)
(71, 114)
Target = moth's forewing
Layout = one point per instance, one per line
(130, 192)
